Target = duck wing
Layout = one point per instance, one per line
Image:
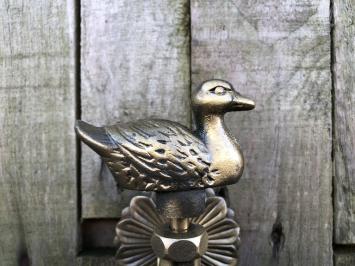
(150, 154)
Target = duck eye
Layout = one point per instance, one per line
(218, 90)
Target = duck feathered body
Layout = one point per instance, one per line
(151, 154)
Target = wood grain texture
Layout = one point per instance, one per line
(96, 260)
(37, 143)
(278, 53)
(344, 120)
(135, 64)
(344, 258)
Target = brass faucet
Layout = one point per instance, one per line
(179, 165)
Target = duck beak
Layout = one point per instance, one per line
(241, 103)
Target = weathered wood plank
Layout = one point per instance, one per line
(135, 64)
(96, 260)
(37, 143)
(345, 256)
(344, 120)
(277, 52)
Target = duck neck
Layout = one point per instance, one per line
(209, 125)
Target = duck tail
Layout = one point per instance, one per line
(95, 137)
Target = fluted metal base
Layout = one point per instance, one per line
(162, 262)
(134, 232)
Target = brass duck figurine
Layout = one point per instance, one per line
(161, 155)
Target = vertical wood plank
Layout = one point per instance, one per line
(37, 143)
(278, 53)
(96, 260)
(135, 64)
(344, 258)
(344, 120)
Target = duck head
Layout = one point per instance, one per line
(219, 97)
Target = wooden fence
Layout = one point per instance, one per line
(105, 61)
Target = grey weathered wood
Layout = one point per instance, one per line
(96, 260)
(277, 52)
(344, 120)
(135, 64)
(345, 258)
(37, 144)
